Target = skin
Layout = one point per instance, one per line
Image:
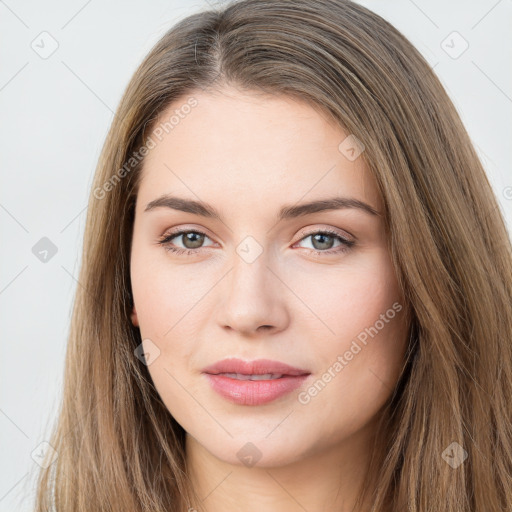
(248, 155)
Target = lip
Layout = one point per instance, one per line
(258, 392)
(255, 367)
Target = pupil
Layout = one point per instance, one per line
(189, 238)
(322, 238)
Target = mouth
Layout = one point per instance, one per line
(242, 376)
(253, 382)
(259, 367)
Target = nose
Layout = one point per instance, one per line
(252, 299)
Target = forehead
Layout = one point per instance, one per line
(239, 148)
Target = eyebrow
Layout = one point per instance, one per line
(286, 212)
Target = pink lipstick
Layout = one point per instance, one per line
(253, 382)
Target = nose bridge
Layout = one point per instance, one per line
(251, 295)
(250, 274)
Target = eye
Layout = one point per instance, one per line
(192, 239)
(323, 241)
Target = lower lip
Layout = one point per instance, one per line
(254, 392)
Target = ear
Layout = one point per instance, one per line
(133, 316)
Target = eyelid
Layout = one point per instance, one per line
(329, 229)
(346, 243)
(180, 228)
(304, 232)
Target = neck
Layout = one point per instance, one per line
(326, 480)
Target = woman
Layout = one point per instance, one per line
(296, 282)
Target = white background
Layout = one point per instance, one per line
(55, 114)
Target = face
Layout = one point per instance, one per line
(313, 288)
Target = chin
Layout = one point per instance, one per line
(256, 451)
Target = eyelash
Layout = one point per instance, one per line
(165, 242)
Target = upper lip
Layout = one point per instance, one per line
(256, 367)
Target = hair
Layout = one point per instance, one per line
(118, 446)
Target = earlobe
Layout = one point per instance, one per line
(135, 320)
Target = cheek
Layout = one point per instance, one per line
(163, 293)
(171, 314)
(361, 333)
(341, 302)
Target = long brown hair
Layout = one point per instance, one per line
(118, 446)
